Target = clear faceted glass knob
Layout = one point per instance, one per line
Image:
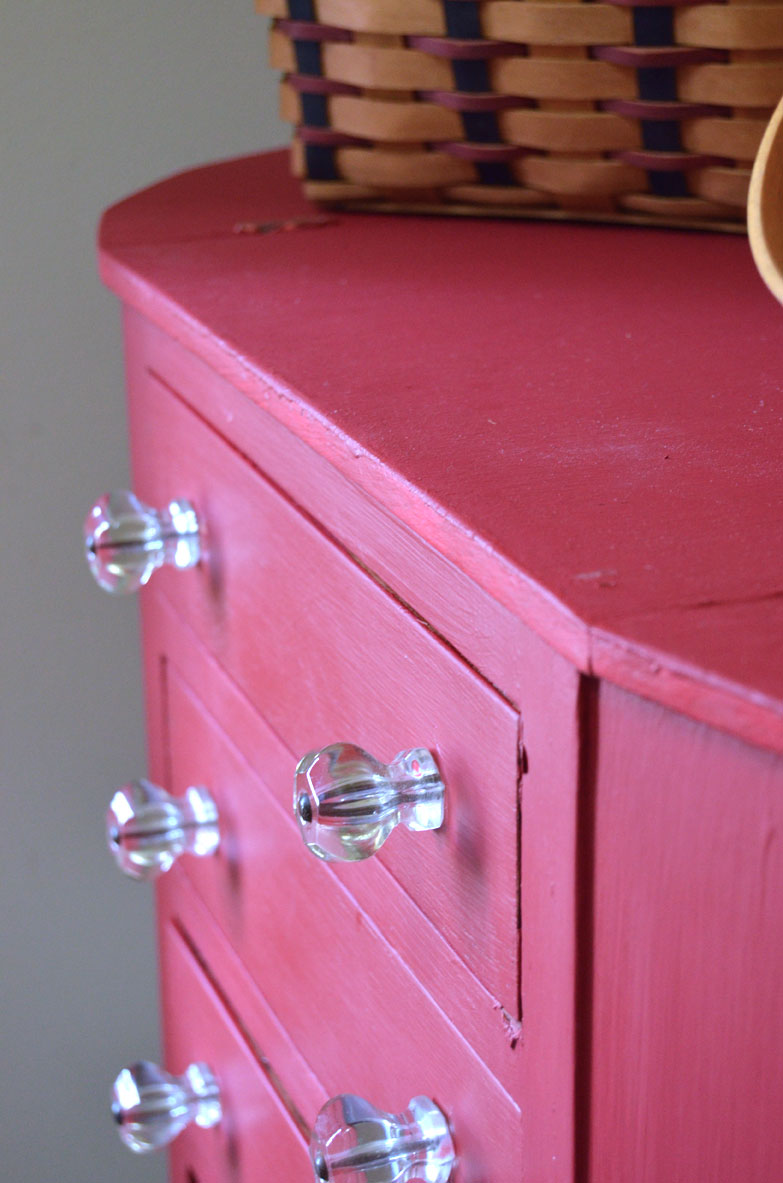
(151, 1107)
(125, 540)
(347, 803)
(147, 829)
(353, 1142)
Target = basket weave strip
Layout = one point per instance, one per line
(719, 26)
(647, 111)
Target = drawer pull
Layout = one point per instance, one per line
(353, 1142)
(126, 540)
(151, 1107)
(347, 803)
(147, 829)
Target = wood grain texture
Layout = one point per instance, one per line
(623, 523)
(182, 915)
(343, 995)
(688, 953)
(216, 736)
(482, 629)
(568, 56)
(588, 440)
(533, 1061)
(550, 918)
(326, 656)
(752, 634)
(257, 1133)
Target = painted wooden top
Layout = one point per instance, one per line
(588, 420)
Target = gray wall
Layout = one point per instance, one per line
(96, 99)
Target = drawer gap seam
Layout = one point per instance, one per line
(263, 1062)
(587, 773)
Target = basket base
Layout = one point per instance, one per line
(451, 209)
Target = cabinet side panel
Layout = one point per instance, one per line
(688, 952)
(549, 811)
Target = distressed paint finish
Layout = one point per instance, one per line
(593, 444)
(184, 921)
(536, 1067)
(344, 996)
(256, 1127)
(213, 735)
(485, 632)
(687, 1072)
(443, 461)
(327, 657)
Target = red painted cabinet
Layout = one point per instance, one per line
(511, 493)
(256, 1125)
(687, 959)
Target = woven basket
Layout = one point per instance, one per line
(578, 108)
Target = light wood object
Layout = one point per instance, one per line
(765, 206)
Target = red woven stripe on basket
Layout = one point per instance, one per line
(457, 100)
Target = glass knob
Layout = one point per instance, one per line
(125, 540)
(353, 1142)
(147, 829)
(151, 1107)
(347, 803)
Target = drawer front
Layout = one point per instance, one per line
(354, 1048)
(257, 1136)
(327, 656)
(347, 1002)
(212, 736)
(345, 998)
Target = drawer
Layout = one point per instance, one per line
(346, 1002)
(212, 736)
(326, 655)
(257, 1136)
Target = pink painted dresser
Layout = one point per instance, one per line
(513, 493)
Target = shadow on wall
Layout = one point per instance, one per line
(102, 100)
